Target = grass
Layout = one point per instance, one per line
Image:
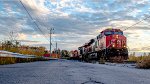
(134, 58)
(141, 62)
(13, 60)
(144, 63)
(7, 60)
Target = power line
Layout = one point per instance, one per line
(33, 20)
(37, 17)
(44, 24)
(36, 24)
(137, 23)
(129, 11)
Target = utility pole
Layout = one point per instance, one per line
(56, 47)
(56, 50)
(50, 32)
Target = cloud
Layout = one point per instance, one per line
(141, 49)
(22, 36)
(28, 41)
(75, 21)
(37, 6)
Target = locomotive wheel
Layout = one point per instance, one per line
(120, 59)
(102, 60)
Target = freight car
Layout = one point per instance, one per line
(109, 45)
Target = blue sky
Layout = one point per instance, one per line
(75, 22)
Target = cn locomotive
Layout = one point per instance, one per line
(109, 45)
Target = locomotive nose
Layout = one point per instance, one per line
(118, 41)
(117, 36)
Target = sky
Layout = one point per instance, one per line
(75, 22)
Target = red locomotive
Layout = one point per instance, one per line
(74, 55)
(110, 45)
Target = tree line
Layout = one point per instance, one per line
(144, 54)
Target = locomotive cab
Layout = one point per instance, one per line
(115, 38)
(115, 46)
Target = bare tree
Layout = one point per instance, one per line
(12, 36)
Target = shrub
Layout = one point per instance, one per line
(12, 60)
(7, 60)
(144, 63)
(134, 58)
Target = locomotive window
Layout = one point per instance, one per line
(120, 33)
(108, 33)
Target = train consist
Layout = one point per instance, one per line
(109, 45)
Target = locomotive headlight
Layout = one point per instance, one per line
(113, 45)
(117, 36)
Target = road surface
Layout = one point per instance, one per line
(71, 72)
